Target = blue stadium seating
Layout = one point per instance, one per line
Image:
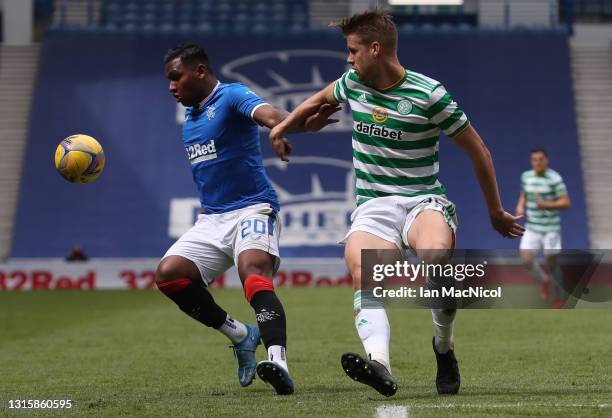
(227, 16)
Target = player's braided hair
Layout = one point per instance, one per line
(189, 53)
(371, 25)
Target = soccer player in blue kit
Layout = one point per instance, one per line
(238, 221)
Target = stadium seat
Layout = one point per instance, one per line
(204, 26)
(260, 7)
(185, 26)
(259, 28)
(242, 7)
(224, 6)
(239, 16)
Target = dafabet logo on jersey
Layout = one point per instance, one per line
(379, 115)
(371, 129)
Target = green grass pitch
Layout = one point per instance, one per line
(120, 353)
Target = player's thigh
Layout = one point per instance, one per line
(430, 236)
(255, 242)
(532, 240)
(552, 244)
(361, 240)
(199, 246)
(531, 243)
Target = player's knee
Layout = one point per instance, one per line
(164, 272)
(256, 283)
(356, 275)
(176, 267)
(168, 270)
(354, 267)
(437, 252)
(255, 262)
(551, 261)
(528, 258)
(256, 267)
(168, 280)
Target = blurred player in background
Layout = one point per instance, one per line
(543, 196)
(398, 116)
(238, 221)
(76, 253)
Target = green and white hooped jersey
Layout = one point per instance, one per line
(546, 187)
(396, 133)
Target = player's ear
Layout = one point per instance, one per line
(375, 48)
(201, 71)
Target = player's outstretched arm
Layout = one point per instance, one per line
(308, 114)
(503, 222)
(271, 117)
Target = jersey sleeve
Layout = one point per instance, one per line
(341, 89)
(445, 113)
(523, 182)
(245, 101)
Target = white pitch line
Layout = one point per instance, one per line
(510, 405)
(391, 411)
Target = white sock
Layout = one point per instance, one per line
(443, 329)
(233, 329)
(277, 354)
(373, 329)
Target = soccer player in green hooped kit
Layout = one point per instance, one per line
(543, 196)
(398, 116)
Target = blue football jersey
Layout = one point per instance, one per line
(222, 143)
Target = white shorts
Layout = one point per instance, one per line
(215, 241)
(390, 217)
(550, 242)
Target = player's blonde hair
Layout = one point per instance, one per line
(369, 26)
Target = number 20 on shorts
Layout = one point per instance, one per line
(254, 227)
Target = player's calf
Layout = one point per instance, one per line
(193, 298)
(269, 311)
(259, 291)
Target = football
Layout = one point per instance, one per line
(79, 159)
